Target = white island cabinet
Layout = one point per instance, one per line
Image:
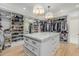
(41, 44)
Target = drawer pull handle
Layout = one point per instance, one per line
(33, 42)
(33, 49)
(26, 39)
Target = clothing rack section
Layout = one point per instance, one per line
(17, 27)
(50, 26)
(57, 25)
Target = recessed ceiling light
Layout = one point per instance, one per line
(77, 6)
(24, 8)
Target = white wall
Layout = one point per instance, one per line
(73, 23)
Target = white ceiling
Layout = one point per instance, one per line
(56, 8)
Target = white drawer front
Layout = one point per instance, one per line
(35, 51)
(35, 43)
(32, 41)
(27, 39)
(32, 49)
(27, 52)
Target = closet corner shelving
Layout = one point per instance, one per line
(17, 27)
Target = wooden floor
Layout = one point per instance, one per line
(64, 50)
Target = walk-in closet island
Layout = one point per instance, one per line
(41, 44)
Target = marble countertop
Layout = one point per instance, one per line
(42, 35)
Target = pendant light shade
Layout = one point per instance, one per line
(49, 14)
(38, 10)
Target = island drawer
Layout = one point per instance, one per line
(26, 39)
(35, 43)
(28, 52)
(32, 42)
(32, 49)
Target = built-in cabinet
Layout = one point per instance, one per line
(12, 27)
(41, 44)
(17, 27)
(5, 25)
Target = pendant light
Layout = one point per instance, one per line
(49, 14)
(38, 10)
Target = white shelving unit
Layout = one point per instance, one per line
(17, 27)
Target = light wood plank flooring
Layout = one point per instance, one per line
(64, 50)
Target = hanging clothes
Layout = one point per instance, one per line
(51, 27)
(45, 26)
(30, 28)
(2, 40)
(54, 26)
(58, 27)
